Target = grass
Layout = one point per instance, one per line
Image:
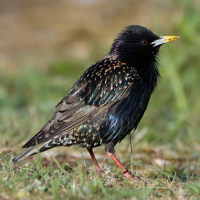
(33, 181)
(163, 153)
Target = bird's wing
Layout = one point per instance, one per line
(103, 84)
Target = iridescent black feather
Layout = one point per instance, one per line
(108, 100)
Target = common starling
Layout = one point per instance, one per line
(108, 100)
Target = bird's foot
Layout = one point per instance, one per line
(99, 170)
(125, 171)
(129, 176)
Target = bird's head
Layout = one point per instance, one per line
(137, 44)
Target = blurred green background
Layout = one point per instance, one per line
(46, 45)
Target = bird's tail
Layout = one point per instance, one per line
(27, 152)
(56, 141)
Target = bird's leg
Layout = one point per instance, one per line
(109, 147)
(126, 173)
(98, 168)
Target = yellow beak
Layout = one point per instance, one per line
(164, 39)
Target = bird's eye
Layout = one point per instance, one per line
(144, 42)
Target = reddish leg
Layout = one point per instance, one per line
(126, 173)
(98, 168)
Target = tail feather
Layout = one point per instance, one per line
(61, 140)
(26, 153)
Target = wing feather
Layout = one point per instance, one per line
(101, 86)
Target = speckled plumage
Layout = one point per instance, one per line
(108, 100)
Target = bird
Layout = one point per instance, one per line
(108, 100)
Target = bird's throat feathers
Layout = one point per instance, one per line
(146, 64)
